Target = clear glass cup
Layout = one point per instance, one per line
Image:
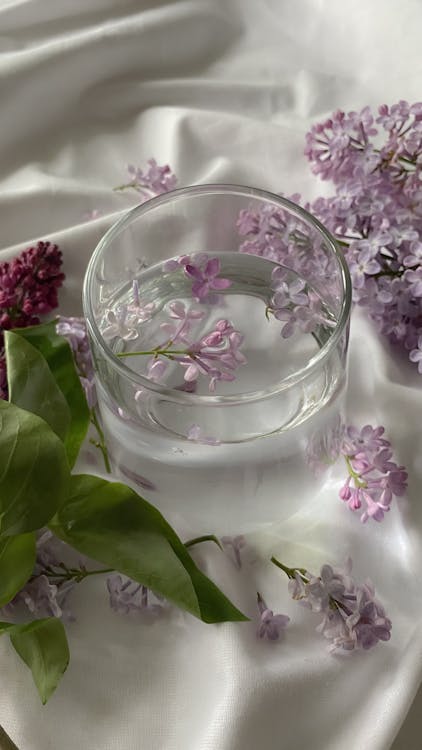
(251, 451)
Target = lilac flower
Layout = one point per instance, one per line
(120, 323)
(129, 597)
(45, 594)
(376, 212)
(74, 331)
(185, 318)
(203, 271)
(141, 311)
(156, 369)
(234, 544)
(28, 289)
(362, 266)
(206, 278)
(416, 354)
(352, 618)
(196, 434)
(216, 355)
(271, 626)
(152, 181)
(293, 303)
(29, 284)
(376, 478)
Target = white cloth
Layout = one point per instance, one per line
(223, 90)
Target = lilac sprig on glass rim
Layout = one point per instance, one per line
(294, 303)
(154, 180)
(373, 478)
(352, 618)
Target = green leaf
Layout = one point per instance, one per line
(32, 386)
(34, 472)
(6, 627)
(109, 522)
(17, 560)
(42, 645)
(59, 358)
(5, 741)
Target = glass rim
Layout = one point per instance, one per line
(137, 211)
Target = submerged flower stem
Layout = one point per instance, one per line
(154, 353)
(101, 442)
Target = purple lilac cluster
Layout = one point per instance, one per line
(374, 479)
(204, 273)
(46, 593)
(131, 598)
(352, 618)
(375, 163)
(215, 355)
(283, 237)
(28, 289)
(74, 331)
(154, 180)
(294, 303)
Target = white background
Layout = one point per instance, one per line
(223, 90)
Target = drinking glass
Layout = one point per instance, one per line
(256, 448)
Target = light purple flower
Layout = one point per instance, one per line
(74, 331)
(206, 279)
(271, 626)
(352, 618)
(130, 597)
(44, 594)
(120, 323)
(234, 544)
(154, 180)
(185, 319)
(216, 355)
(195, 433)
(376, 478)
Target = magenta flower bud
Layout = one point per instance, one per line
(345, 492)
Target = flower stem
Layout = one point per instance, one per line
(101, 442)
(205, 538)
(290, 572)
(70, 574)
(357, 477)
(153, 352)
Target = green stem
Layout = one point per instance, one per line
(357, 478)
(133, 184)
(101, 442)
(290, 572)
(205, 538)
(154, 352)
(69, 574)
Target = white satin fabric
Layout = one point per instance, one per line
(223, 90)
